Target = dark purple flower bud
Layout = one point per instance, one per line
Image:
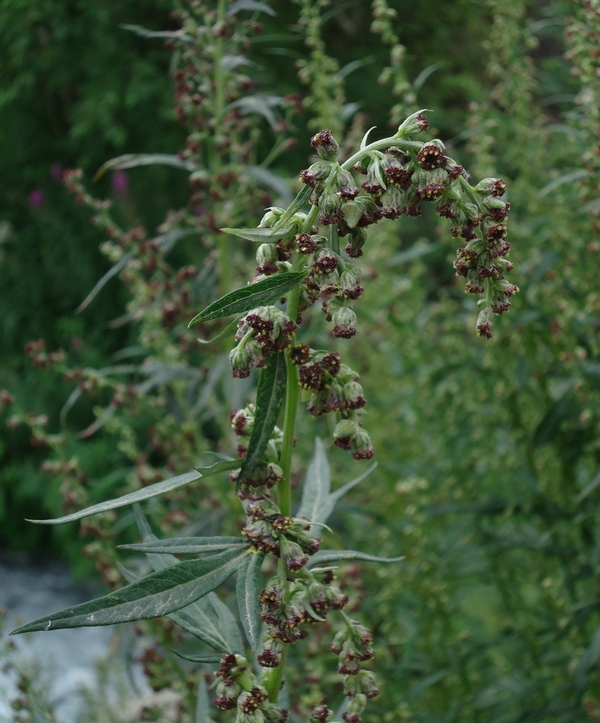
(312, 376)
(491, 187)
(395, 171)
(344, 434)
(495, 232)
(299, 354)
(325, 145)
(330, 209)
(484, 323)
(361, 445)
(344, 321)
(352, 394)
(240, 361)
(392, 202)
(292, 554)
(317, 173)
(416, 123)
(307, 244)
(431, 156)
(325, 263)
(454, 169)
(120, 184)
(320, 714)
(331, 362)
(430, 185)
(345, 184)
(356, 241)
(375, 183)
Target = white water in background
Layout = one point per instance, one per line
(29, 590)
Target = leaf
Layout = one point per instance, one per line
(317, 485)
(185, 545)
(414, 252)
(317, 501)
(419, 81)
(297, 204)
(247, 587)
(269, 395)
(256, 235)
(113, 271)
(259, 294)
(202, 714)
(145, 493)
(205, 658)
(166, 34)
(565, 178)
(272, 181)
(323, 557)
(208, 619)
(252, 5)
(260, 104)
(155, 595)
(588, 489)
(133, 160)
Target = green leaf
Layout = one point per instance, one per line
(324, 557)
(155, 595)
(165, 34)
(252, 5)
(260, 104)
(257, 235)
(269, 395)
(317, 500)
(259, 294)
(565, 178)
(145, 493)
(185, 545)
(133, 160)
(317, 485)
(208, 619)
(247, 587)
(205, 658)
(297, 204)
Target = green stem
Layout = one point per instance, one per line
(383, 143)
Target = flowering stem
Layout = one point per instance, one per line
(383, 143)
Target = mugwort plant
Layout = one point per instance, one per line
(300, 264)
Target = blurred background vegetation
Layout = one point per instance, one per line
(488, 452)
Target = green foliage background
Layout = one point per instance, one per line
(488, 452)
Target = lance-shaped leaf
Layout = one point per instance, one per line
(256, 235)
(269, 395)
(157, 594)
(145, 493)
(185, 545)
(262, 292)
(324, 557)
(252, 5)
(170, 34)
(202, 701)
(248, 583)
(298, 203)
(317, 499)
(208, 618)
(133, 160)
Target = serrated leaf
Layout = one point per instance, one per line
(256, 235)
(323, 557)
(252, 5)
(263, 292)
(185, 545)
(145, 493)
(269, 395)
(247, 587)
(155, 595)
(317, 500)
(134, 160)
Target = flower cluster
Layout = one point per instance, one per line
(267, 473)
(289, 611)
(237, 688)
(260, 333)
(285, 537)
(399, 179)
(353, 645)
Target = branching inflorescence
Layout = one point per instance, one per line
(299, 263)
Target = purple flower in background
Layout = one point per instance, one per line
(56, 172)
(36, 199)
(120, 184)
